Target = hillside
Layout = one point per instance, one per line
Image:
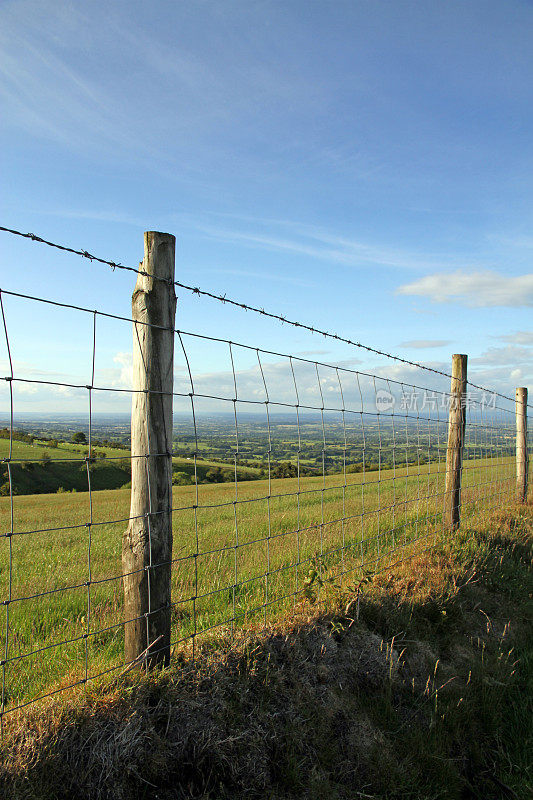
(39, 468)
(420, 689)
(222, 552)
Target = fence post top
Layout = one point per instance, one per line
(159, 233)
(159, 257)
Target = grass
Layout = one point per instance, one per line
(253, 557)
(65, 468)
(415, 684)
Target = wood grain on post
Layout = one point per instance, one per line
(456, 437)
(522, 457)
(147, 543)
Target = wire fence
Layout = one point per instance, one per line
(288, 474)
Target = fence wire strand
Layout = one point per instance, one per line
(291, 475)
(245, 306)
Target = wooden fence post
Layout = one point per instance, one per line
(456, 436)
(147, 542)
(522, 456)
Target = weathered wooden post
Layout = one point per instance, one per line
(456, 437)
(147, 543)
(522, 456)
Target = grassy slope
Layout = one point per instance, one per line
(67, 468)
(427, 693)
(278, 533)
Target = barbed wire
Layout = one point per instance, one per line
(84, 253)
(247, 307)
(242, 549)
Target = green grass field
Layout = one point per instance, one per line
(417, 686)
(255, 550)
(64, 468)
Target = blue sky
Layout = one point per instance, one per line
(365, 167)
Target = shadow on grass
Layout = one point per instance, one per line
(417, 686)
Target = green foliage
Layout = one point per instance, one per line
(182, 479)
(79, 438)
(316, 579)
(285, 469)
(214, 475)
(18, 436)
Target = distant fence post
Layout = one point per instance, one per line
(456, 436)
(147, 542)
(522, 456)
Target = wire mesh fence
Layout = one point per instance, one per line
(285, 471)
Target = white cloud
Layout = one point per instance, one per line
(67, 391)
(499, 368)
(474, 289)
(123, 378)
(502, 379)
(26, 388)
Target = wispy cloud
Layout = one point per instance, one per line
(45, 96)
(262, 276)
(474, 289)
(423, 344)
(318, 243)
(119, 90)
(93, 215)
(520, 337)
(510, 355)
(287, 236)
